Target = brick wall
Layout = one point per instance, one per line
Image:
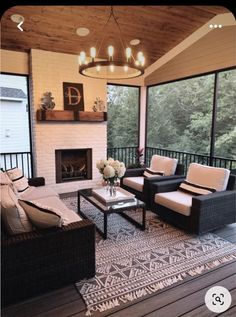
(48, 70)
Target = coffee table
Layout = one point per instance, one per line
(112, 208)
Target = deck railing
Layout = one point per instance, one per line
(23, 160)
(123, 154)
(127, 155)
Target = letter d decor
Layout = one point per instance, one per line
(73, 96)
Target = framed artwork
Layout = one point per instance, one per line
(73, 96)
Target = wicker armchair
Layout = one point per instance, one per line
(144, 195)
(43, 260)
(208, 212)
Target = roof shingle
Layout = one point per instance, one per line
(12, 93)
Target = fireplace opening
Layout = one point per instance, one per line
(73, 165)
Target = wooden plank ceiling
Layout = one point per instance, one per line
(53, 28)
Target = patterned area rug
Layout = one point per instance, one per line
(132, 263)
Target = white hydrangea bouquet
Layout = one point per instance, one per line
(111, 170)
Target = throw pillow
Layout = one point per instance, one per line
(195, 189)
(20, 182)
(13, 215)
(150, 173)
(40, 215)
(5, 180)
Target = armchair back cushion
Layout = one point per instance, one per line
(211, 178)
(163, 164)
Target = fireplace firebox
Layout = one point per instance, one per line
(73, 165)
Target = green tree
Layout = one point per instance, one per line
(180, 115)
(123, 113)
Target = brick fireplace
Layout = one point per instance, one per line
(48, 72)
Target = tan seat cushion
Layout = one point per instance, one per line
(68, 215)
(35, 193)
(134, 182)
(163, 164)
(208, 176)
(176, 201)
(13, 215)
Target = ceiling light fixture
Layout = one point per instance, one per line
(134, 42)
(111, 68)
(82, 31)
(17, 18)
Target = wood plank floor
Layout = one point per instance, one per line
(185, 299)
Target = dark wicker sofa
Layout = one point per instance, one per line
(208, 212)
(43, 260)
(145, 195)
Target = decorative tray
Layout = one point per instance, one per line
(103, 195)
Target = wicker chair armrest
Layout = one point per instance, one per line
(36, 181)
(132, 172)
(46, 233)
(217, 198)
(156, 179)
(180, 170)
(167, 185)
(212, 211)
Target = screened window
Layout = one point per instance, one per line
(179, 115)
(225, 132)
(123, 116)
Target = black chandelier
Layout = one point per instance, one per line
(111, 68)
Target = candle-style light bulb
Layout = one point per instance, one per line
(93, 52)
(126, 68)
(128, 52)
(139, 56)
(98, 68)
(110, 51)
(142, 60)
(82, 56)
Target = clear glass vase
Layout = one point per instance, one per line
(111, 187)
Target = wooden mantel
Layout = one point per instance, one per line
(70, 115)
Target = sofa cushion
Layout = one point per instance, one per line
(163, 164)
(13, 215)
(208, 176)
(176, 201)
(35, 193)
(150, 173)
(20, 182)
(42, 216)
(134, 182)
(68, 215)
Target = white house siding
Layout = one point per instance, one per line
(14, 129)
